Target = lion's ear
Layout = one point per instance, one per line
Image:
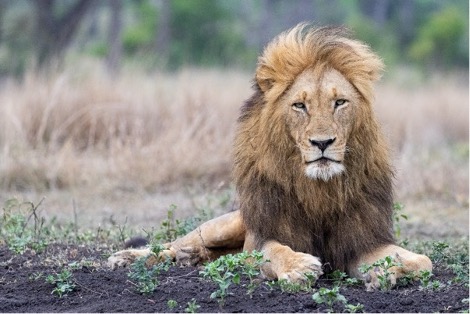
(264, 78)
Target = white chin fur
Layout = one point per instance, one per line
(324, 172)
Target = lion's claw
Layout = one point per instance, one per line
(302, 265)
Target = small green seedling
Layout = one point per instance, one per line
(146, 278)
(172, 304)
(382, 269)
(352, 281)
(62, 281)
(339, 278)
(17, 230)
(440, 252)
(294, 287)
(230, 268)
(350, 308)
(192, 306)
(329, 297)
(397, 217)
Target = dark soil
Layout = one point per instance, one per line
(23, 288)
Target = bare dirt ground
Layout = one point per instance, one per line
(23, 288)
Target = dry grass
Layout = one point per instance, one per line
(428, 127)
(135, 130)
(140, 132)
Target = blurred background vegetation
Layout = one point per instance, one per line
(120, 108)
(170, 34)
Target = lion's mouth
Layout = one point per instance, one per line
(322, 160)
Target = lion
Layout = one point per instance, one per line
(311, 168)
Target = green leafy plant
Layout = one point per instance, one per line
(230, 268)
(425, 278)
(16, 229)
(339, 278)
(192, 306)
(172, 304)
(171, 228)
(439, 251)
(350, 308)
(294, 287)
(329, 297)
(352, 281)
(398, 216)
(382, 269)
(146, 278)
(62, 281)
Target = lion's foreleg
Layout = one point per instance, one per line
(284, 263)
(408, 263)
(126, 257)
(222, 235)
(216, 237)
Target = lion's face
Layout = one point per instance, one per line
(319, 109)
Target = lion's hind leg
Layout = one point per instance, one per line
(404, 263)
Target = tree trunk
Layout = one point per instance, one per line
(162, 41)
(54, 34)
(113, 59)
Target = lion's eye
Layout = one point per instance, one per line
(299, 106)
(340, 102)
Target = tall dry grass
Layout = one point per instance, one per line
(141, 131)
(428, 128)
(136, 130)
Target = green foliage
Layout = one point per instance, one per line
(424, 277)
(329, 297)
(17, 229)
(397, 217)
(294, 287)
(139, 36)
(337, 276)
(350, 308)
(217, 32)
(439, 251)
(192, 306)
(172, 304)
(171, 228)
(382, 269)
(62, 281)
(145, 277)
(230, 268)
(384, 41)
(213, 39)
(454, 256)
(340, 278)
(442, 40)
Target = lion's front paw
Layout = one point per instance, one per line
(189, 256)
(299, 265)
(126, 257)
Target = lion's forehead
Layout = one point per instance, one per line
(311, 85)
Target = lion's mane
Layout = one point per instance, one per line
(337, 220)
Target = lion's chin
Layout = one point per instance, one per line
(323, 171)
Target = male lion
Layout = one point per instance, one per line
(311, 168)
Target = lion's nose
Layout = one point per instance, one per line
(322, 145)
